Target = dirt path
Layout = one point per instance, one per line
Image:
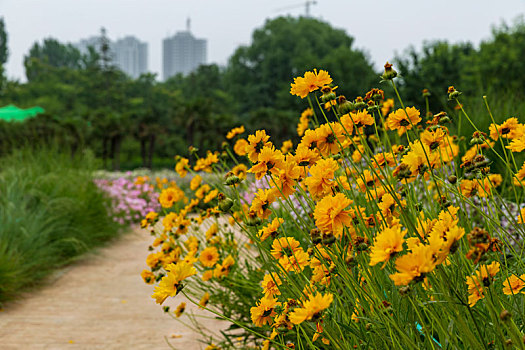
(98, 303)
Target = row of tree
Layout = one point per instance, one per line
(90, 103)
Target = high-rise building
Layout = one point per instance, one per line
(131, 56)
(84, 44)
(182, 53)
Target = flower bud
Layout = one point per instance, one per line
(426, 93)
(404, 290)
(453, 93)
(505, 315)
(225, 205)
(389, 73)
(232, 179)
(452, 179)
(359, 103)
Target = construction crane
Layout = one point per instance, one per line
(306, 5)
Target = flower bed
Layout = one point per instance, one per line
(380, 230)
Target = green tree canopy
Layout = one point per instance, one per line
(259, 75)
(51, 53)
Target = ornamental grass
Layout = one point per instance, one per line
(380, 229)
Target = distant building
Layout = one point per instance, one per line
(129, 54)
(182, 53)
(84, 44)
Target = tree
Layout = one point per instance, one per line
(259, 75)
(3, 53)
(51, 54)
(436, 67)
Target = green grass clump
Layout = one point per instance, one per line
(50, 212)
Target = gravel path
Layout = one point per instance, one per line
(99, 302)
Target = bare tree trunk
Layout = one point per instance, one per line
(104, 151)
(143, 154)
(151, 150)
(116, 141)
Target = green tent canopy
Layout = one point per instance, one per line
(12, 112)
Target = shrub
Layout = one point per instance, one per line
(50, 212)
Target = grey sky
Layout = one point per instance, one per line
(381, 27)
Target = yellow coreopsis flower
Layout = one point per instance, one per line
(170, 285)
(263, 312)
(234, 132)
(509, 129)
(209, 257)
(403, 120)
(311, 81)
(322, 179)
(182, 167)
(514, 284)
(270, 284)
(330, 214)
(312, 307)
(414, 265)
(180, 309)
(386, 244)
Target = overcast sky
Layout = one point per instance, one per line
(380, 27)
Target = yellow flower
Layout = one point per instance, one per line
(413, 266)
(517, 145)
(204, 300)
(269, 161)
(433, 139)
(240, 147)
(264, 310)
(514, 284)
(169, 196)
(330, 138)
(256, 143)
(509, 129)
(180, 309)
(322, 179)
(205, 164)
(170, 285)
(387, 106)
(240, 171)
(210, 196)
(311, 81)
(305, 156)
(520, 176)
(195, 182)
(270, 284)
(182, 167)
(284, 246)
(261, 203)
(386, 244)
(234, 132)
(311, 307)
(481, 279)
(287, 145)
(207, 275)
(330, 214)
(359, 120)
(148, 276)
(287, 176)
(296, 261)
(270, 229)
(420, 158)
(403, 120)
(223, 269)
(209, 257)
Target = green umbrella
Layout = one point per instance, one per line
(12, 112)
